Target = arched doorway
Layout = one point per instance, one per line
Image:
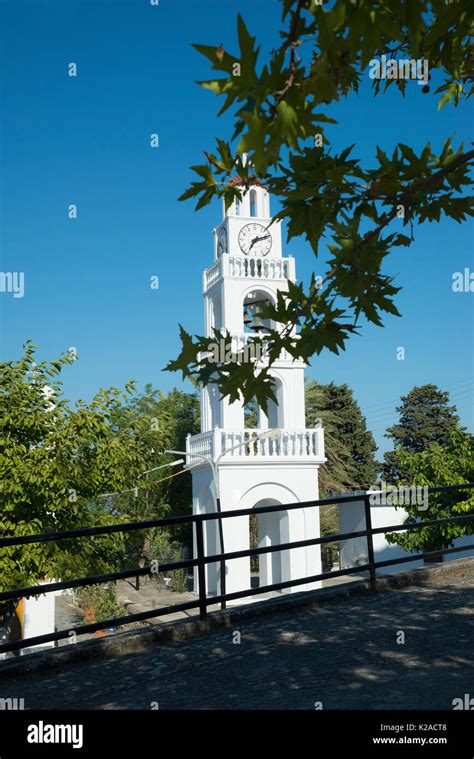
(269, 530)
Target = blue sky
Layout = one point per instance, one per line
(85, 140)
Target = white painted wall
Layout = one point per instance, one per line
(39, 618)
(244, 486)
(354, 551)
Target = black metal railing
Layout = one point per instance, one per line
(201, 560)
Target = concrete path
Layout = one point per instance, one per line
(347, 654)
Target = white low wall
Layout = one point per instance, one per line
(38, 618)
(354, 551)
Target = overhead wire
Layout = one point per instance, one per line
(384, 404)
(148, 487)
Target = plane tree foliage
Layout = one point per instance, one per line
(360, 212)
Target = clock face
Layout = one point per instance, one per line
(255, 240)
(222, 241)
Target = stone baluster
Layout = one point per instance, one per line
(266, 446)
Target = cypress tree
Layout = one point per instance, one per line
(426, 417)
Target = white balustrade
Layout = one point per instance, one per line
(297, 444)
(212, 274)
(249, 267)
(258, 268)
(294, 444)
(200, 445)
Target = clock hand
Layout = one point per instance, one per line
(258, 239)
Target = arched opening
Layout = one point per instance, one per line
(253, 543)
(275, 409)
(256, 418)
(215, 406)
(237, 207)
(253, 203)
(253, 323)
(251, 415)
(269, 530)
(266, 205)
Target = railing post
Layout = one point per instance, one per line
(370, 543)
(201, 570)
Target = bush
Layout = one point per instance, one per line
(99, 602)
(164, 550)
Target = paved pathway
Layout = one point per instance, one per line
(150, 596)
(344, 654)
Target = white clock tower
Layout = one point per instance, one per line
(281, 469)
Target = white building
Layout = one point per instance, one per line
(249, 267)
(354, 551)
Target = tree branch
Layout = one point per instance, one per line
(292, 41)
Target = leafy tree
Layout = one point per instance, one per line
(451, 463)
(184, 412)
(54, 463)
(350, 447)
(279, 121)
(174, 415)
(426, 417)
